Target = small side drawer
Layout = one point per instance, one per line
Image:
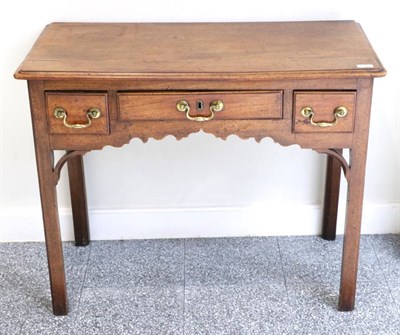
(77, 113)
(236, 105)
(323, 111)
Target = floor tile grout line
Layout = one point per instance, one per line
(396, 305)
(22, 326)
(79, 298)
(184, 287)
(283, 269)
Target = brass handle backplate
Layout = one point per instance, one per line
(215, 106)
(91, 113)
(339, 112)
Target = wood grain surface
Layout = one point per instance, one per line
(201, 50)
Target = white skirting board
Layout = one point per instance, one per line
(25, 224)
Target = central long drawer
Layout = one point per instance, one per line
(232, 105)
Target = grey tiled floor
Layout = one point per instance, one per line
(271, 285)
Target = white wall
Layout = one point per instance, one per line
(153, 189)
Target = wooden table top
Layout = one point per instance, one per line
(276, 50)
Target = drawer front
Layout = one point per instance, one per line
(323, 111)
(77, 113)
(230, 105)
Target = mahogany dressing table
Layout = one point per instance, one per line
(305, 83)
